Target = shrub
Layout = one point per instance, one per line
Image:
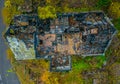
(46, 12)
(103, 4)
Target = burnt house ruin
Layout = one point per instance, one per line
(84, 34)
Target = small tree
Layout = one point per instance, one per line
(9, 11)
(114, 9)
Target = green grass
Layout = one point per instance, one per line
(10, 70)
(80, 64)
(101, 60)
